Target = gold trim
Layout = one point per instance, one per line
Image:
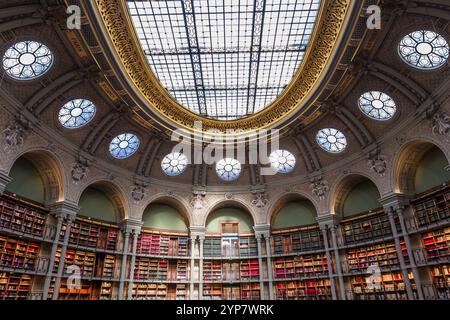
(332, 20)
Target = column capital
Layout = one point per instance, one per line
(131, 226)
(65, 209)
(328, 220)
(4, 180)
(197, 232)
(262, 230)
(395, 200)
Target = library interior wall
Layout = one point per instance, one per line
(431, 170)
(362, 197)
(165, 217)
(27, 181)
(95, 204)
(229, 214)
(295, 213)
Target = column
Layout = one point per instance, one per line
(4, 181)
(337, 258)
(123, 265)
(260, 264)
(48, 276)
(135, 236)
(62, 259)
(192, 268)
(390, 213)
(324, 230)
(200, 286)
(412, 261)
(67, 210)
(269, 264)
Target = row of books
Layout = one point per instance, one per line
(249, 291)
(15, 286)
(18, 254)
(298, 241)
(91, 235)
(433, 208)
(162, 245)
(307, 266)
(14, 215)
(160, 269)
(153, 291)
(238, 247)
(303, 290)
(214, 270)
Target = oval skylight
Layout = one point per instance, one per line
(224, 59)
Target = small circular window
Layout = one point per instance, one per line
(377, 105)
(331, 140)
(228, 169)
(76, 113)
(174, 164)
(27, 60)
(124, 145)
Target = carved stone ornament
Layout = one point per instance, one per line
(319, 187)
(14, 135)
(260, 200)
(228, 196)
(197, 201)
(79, 172)
(441, 124)
(378, 164)
(138, 192)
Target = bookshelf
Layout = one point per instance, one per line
(432, 206)
(298, 240)
(106, 265)
(245, 291)
(177, 292)
(18, 254)
(384, 255)
(151, 269)
(391, 287)
(152, 243)
(106, 289)
(248, 247)
(250, 291)
(366, 227)
(212, 247)
(85, 260)
(149, 291)
(437, 245)
(23, 216)
(15, 286)
(84, 292)
(303, 290)
(441, 280)
(305, 266)
(212, 270)
(92, 234)
(249, 270)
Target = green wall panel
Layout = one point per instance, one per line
(27, 181)
(362, 198)
(294, 214)
(161, 216)
(228, 214)
(95, 204)
(431, 170)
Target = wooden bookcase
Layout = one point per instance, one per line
(15, 286)
(318, 289)
(305, 266)
(160, 244)
(366, 227)
(392, 287)
(151, 268)
(84, 293)
(298, 240)
(441, 280)
(437, 245)
(432, 206)
(18, 254)
(244, 291)
(384, 255)
(91, 233)
(85, 260)
(149, 291)
(23, 216)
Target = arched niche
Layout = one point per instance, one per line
(37, 176)
(102, 201)
(163, 216)
(294, 213)
(229, 214)
(420, 165)
(356, 194)
(431, 170)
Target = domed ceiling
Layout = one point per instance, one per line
(242, 65)
(224, 59)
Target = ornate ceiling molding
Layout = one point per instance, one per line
(331, 31)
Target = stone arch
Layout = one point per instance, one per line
(174, 201)
(343, 186)
(51, 170)
(113, 191)
(233, 203)
(283, 199)
(406, 162)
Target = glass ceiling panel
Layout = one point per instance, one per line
(224, 59)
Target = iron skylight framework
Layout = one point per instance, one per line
(224, 59)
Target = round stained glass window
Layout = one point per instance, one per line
(228, 169)
(331, 140)
(27, 60)
(124, 145)
(424, 49)
(76, 113)
(282, 161)
(377, 105)
(174, 164)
